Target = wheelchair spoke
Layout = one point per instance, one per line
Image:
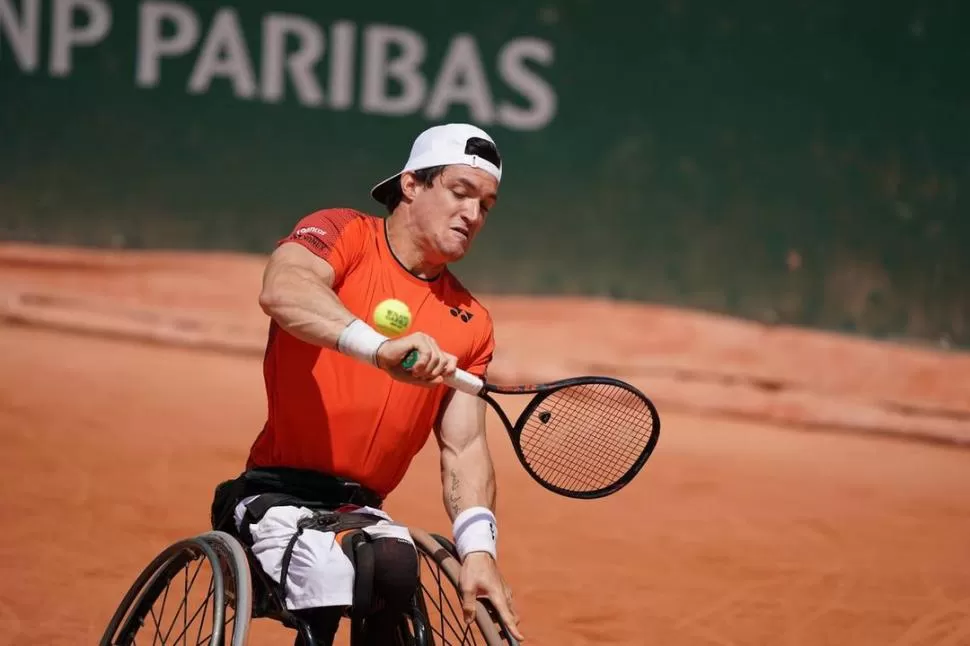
(450, 620)
(198, 636)
(185, 599)
(203, 608)
(208, 638)
(189, 623)
(158, 624)
(185, 606)
(158, 621)
(463, 636)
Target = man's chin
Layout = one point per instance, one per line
(453, 253)
(455, 257)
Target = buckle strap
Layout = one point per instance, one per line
(347, 529)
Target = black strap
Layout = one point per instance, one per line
(363, 560)
(287, 553)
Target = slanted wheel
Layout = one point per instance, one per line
(196, 591)
(440, 601)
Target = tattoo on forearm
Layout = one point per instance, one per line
(454, 494)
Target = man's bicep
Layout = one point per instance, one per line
(335, 236)
(292, 257)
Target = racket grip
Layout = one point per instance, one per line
(466, 382)
(409, 360)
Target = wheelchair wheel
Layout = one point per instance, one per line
(440, 601)
(196, 591)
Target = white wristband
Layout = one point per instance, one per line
(360, 341)
(475, 531)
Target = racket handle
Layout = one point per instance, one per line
(465, 382)
(460, 380)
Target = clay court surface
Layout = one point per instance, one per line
(737, 532)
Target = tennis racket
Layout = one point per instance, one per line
(583, 437)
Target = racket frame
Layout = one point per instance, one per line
(540, 393)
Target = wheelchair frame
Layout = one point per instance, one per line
(240, 583)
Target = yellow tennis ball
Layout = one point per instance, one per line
(392, 317)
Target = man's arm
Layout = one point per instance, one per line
(468, 480)
(467, 474)
(297, 293)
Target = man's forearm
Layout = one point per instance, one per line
(468, 479)
(467, 475)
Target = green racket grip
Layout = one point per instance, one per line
(410, 360)
(461, 380)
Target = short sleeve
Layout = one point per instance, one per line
(335, 235)
(481, 355)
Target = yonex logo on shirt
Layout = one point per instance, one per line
(465, 315)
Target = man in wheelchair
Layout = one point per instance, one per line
(345, 420)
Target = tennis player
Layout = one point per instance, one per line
(345, 419)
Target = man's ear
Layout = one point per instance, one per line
(409, 185)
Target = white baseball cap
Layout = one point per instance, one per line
(441, 146)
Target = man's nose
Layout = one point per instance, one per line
(472, 213)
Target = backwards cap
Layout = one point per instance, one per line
(441, 146)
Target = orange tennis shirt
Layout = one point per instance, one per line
(335, 414)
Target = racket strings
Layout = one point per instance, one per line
(586, 437)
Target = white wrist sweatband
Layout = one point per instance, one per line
(360, 341)
(475, 531)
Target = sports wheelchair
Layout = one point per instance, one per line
(164, 605)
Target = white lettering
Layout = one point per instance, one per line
(462, 80)
(299, 64)
(404, 69)
(343, 36)
(67, 34)
(389, 79)
(24, 37)
(152, 46)
(513, 71)
(224, 54)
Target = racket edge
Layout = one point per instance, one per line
(543, 392)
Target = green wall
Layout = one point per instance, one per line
(802, 162)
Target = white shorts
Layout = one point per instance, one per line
(319, 574)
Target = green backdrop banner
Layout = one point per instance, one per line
(800, 162)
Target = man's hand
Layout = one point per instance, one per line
(480, 577)
(432, 366)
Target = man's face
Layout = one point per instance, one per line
(450, 213)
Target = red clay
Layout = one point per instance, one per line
(688, 360)
(734, 534)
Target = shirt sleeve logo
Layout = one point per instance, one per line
(312, 236)
(308, 231)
